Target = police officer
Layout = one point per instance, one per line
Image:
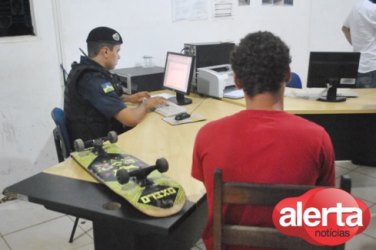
(91, 103)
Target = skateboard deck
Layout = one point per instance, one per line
(155, 194)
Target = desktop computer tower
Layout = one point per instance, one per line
(138, 79)
(208, 54)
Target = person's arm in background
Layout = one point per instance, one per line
(347, 33)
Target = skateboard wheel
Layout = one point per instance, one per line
(112, 136)
(162, 165)
(122, 176)
(79, 145)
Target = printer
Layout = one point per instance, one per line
(214, 81)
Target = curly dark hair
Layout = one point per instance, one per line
(260, 62)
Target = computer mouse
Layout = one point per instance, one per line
(182, 116)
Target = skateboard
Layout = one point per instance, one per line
(143, 186)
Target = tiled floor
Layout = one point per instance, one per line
(27, 226)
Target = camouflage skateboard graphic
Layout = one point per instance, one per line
(143, 186)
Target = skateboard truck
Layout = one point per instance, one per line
(141, 174)
(97, 144)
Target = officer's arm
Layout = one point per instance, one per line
(132, 116)
(135, 98)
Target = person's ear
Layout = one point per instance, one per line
(287, 76)
(105, 51)
(237, 82)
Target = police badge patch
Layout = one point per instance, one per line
(107, 87)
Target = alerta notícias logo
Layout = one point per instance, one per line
(322, 216)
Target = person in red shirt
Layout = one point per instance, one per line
(263, 143)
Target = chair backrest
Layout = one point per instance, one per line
(295, 81)
(257, 194)
(61, 135)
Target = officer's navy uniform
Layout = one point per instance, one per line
(90, 100)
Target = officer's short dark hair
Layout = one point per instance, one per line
(260, 63)
(93, 48)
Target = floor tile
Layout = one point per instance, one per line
(89, 246)
(363, 186)
(3, 245)
(361, 242)
(85, 225)
(370, 171)
(18, 214)
(371, 230)
(199, 245)
(347, 164)
(342, 171)
(53, 234)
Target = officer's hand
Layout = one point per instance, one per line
(152, 102)
(139, 97)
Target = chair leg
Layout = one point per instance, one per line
(73, 230)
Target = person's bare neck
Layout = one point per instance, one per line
(265, 101)
(99, 60)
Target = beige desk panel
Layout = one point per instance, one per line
(154, 138)
(365, 103)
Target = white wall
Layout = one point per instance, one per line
(30, 86)
(31, 79)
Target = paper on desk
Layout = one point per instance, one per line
(194, 118)
(308, 93)
(234, 94)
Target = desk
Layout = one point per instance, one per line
(350, 124)
(67, 188)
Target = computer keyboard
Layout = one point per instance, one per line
(170, 109)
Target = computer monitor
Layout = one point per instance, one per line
(178, 76)
(332, 70)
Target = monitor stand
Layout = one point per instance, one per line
(331, 94)
(180, 99)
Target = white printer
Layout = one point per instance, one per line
(214, 80)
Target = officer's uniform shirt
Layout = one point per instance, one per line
(98, 90)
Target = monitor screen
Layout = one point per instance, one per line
(332, 70)
(178, 76)
(213, 54)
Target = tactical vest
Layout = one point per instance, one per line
(83, 120)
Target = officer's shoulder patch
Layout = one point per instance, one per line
(107, 87)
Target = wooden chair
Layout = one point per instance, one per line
(257, 194)
(63, 147)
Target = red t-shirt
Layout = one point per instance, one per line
(261, 147)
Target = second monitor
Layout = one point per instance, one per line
(178, 76)
(332, 70)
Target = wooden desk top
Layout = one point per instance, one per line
(154, 138)
(363, 104)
